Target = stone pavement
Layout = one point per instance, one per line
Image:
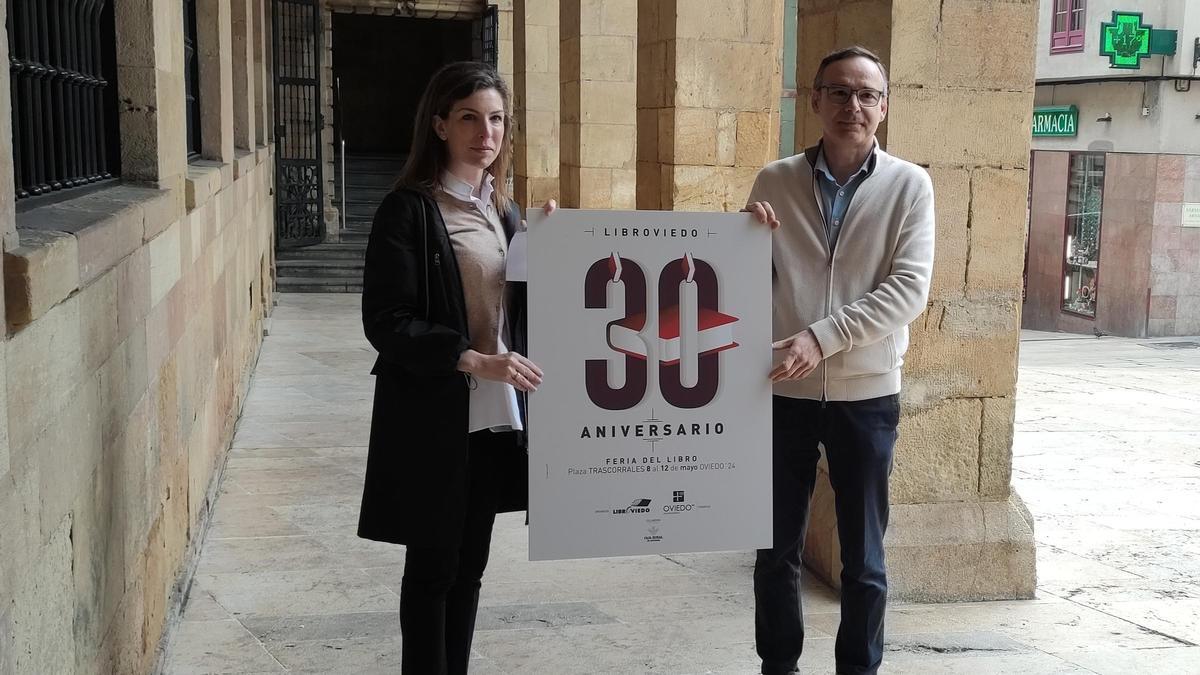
(1107, 456)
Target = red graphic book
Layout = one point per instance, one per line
(715, 334)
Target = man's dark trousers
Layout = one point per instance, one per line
(859, 437)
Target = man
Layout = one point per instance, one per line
(853, 253)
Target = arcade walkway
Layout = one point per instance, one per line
(1107, 458)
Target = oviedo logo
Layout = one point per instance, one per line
(690, 326)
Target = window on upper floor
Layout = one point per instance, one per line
(1067, 26)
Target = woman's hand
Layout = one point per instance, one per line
(763, 213)
(549, 207)
(510, 368)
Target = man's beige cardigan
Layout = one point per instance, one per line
(859, 300)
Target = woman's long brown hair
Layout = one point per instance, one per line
(427, 157)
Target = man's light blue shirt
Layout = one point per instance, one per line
(835, 198)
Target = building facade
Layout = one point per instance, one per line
(136, 180)
(136, 289)
(1114, 234)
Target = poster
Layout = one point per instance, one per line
(1191, 215)
(651, 431)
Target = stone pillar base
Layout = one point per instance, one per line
(940, 552)
(333, 225)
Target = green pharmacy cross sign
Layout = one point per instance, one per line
(1126, 41)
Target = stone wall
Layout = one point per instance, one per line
(822, 27)
(1175, 256)
(133, 317)
(504, 38)
(535, 100)
(330, 151)
(708, 93)
(958, 530)
(597, 103)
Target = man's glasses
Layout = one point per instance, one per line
(867, 98)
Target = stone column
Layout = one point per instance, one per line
(535, 100)
(214, 39)
(8, 222)
(150, 91)
(242, 33)
(505, 47)
(262, 84)
(268, 72)
(8, 240)
(958, 531)
(709, 84)
(597, 64)
(329, 146)
(824, 26)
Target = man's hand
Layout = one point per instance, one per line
(802, 353)
(763, 213)
(511, 368)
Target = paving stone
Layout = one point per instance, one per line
(1025, 664)
(330, 591)
(210, 647)
(545, 615)
(352, 626)
(265, 554)
(201, 606)
(1104, 660)
(329, 518)
(339, 656)
(251, 520)
(913, 646)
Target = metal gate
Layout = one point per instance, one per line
(299, 192)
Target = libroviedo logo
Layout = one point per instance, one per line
(690, 324)
(638, 506)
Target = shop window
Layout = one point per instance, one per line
(1085, 199)
(1066, 26)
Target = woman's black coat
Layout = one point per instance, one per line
(414, 314)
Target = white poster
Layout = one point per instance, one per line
(651, 431)
(1191, 215)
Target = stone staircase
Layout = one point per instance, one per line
(338, 267)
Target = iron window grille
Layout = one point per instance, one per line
(191, 79)
(486, 46)
(62, 56)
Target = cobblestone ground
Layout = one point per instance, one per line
(1107, 455)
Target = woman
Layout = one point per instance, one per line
(446, 450)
